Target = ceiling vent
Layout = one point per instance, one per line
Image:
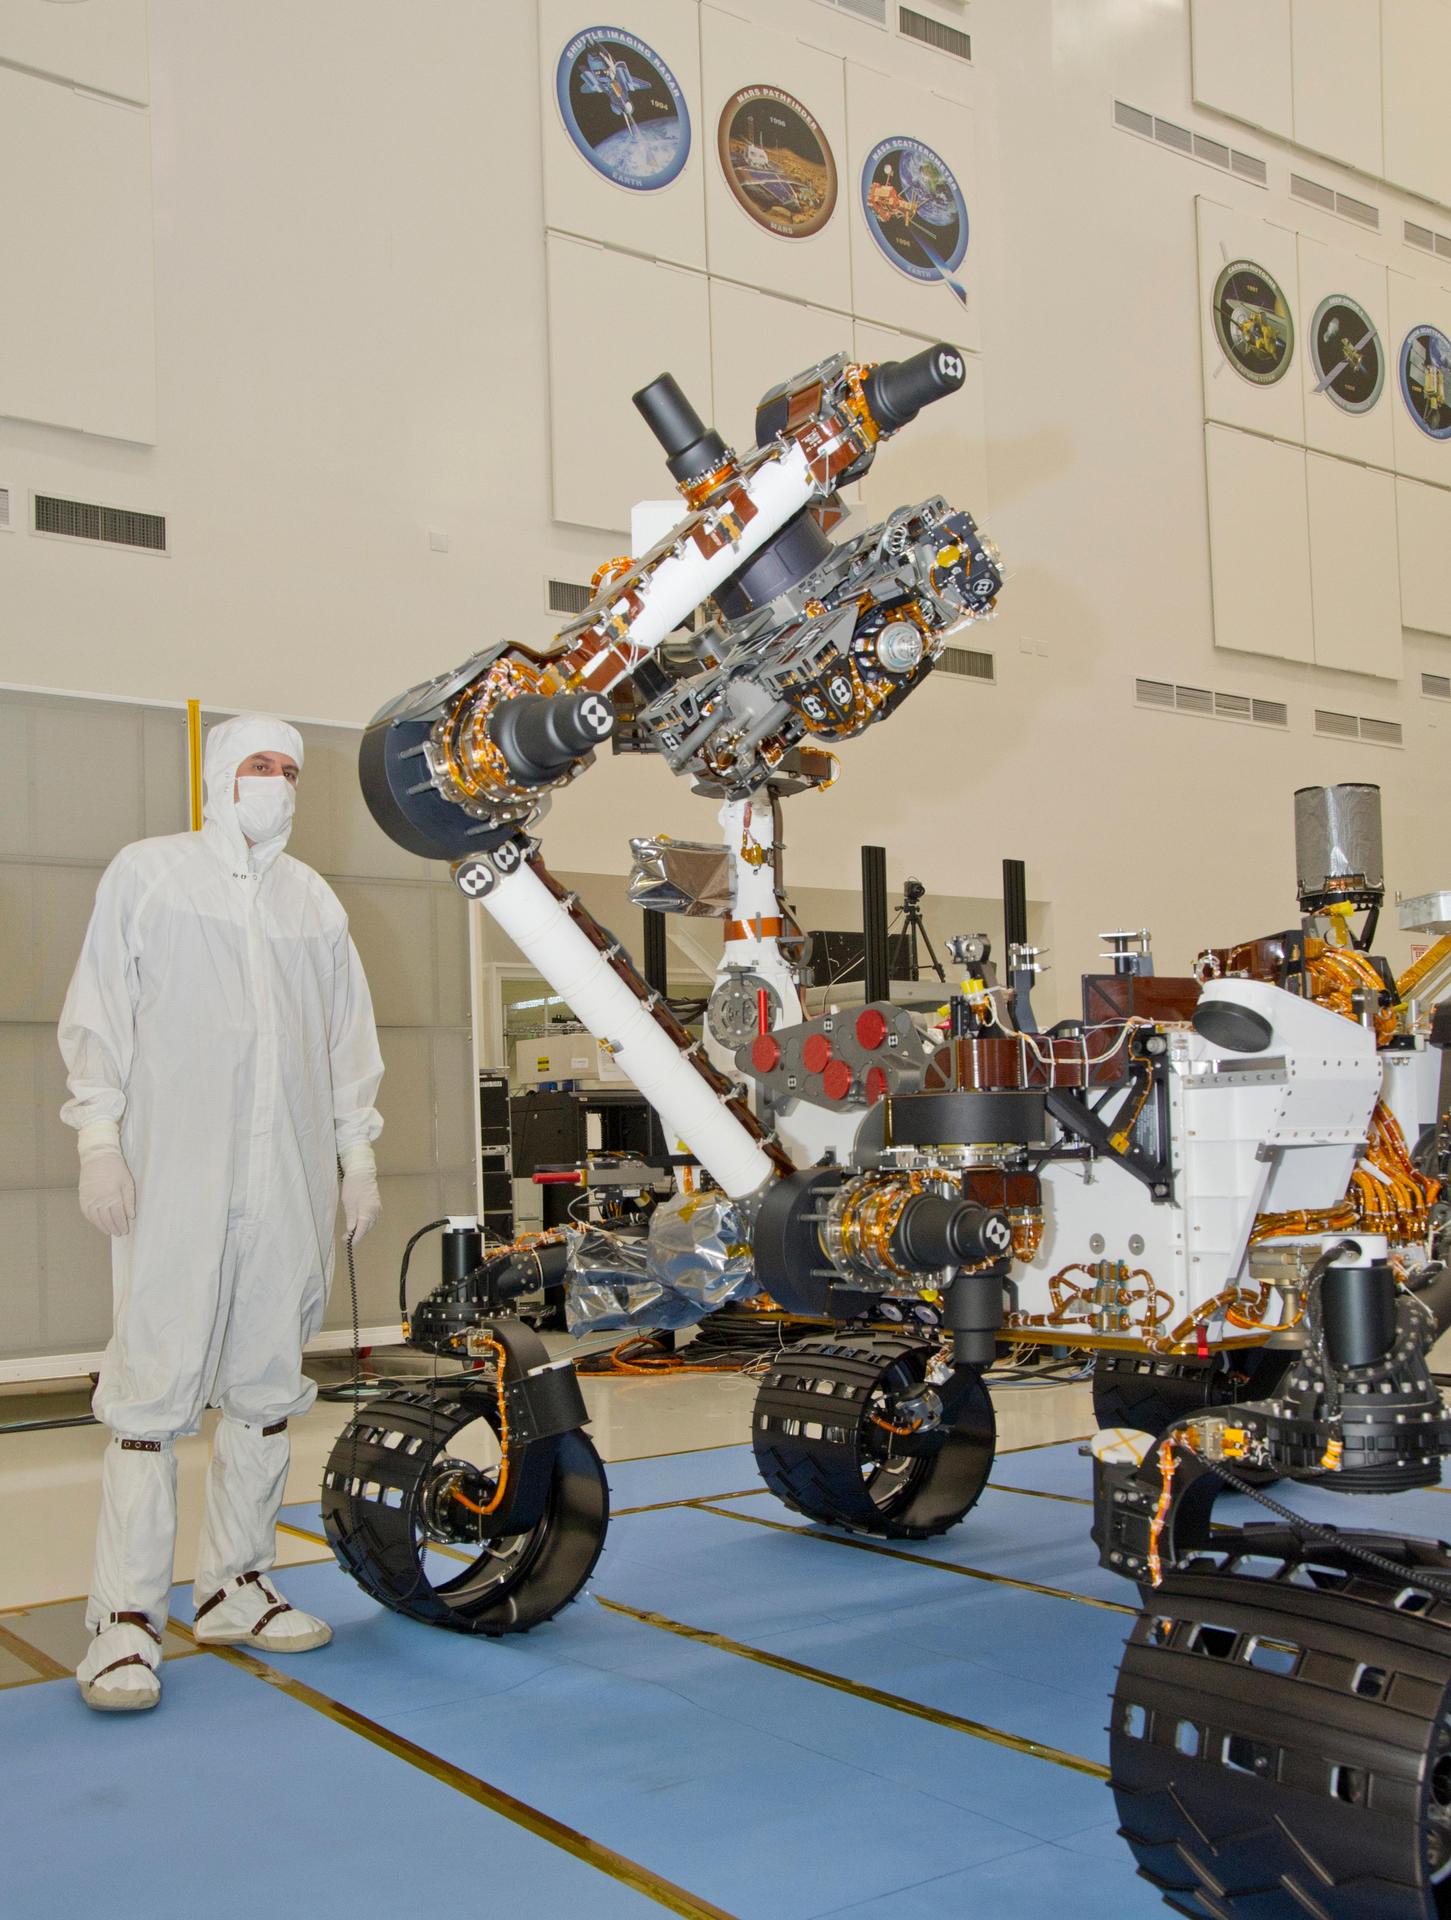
(1436, 686)
(1352, 726)
(1197, 146)
(111, 526)
(934, 33)
(567, 596)
(967, 663)
(1209, 704)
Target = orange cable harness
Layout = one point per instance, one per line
(496, 1498)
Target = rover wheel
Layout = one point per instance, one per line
(1152, 1394)
(399, 1502)
(845, 1432)
(1281, 1742)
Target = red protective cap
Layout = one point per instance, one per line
(871, 1028)
(765, 1052)
(837, 1080)
(815, 1052)
(876, 1085)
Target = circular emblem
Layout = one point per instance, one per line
(777, 162)
(1425, 373)
(915, 210)
(623, 108)
(1252, 322)
(1345, 346)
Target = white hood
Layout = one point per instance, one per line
(228, 745)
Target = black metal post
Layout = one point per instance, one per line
(876, 975)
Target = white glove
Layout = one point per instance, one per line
(362, 1203)
(107, 1191)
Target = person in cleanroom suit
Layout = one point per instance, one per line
(223, 1065)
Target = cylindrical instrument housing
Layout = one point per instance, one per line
(1359, 1305)
(1338, 842)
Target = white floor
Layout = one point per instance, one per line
(50, 1480)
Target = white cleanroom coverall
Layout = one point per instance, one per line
(219, 1019)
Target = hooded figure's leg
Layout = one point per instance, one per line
(276, 1308)
(151, 1389)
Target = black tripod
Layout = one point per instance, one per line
(910, 914)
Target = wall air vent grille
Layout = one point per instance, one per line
(1418, 236)
(5, 508)
(873, 10)
(1443, 246)
(1209, 704)
(934, 33)
(967, 663)
(1436, 686)
(1197, 146)
(113, 526)
(1351, 726)
(568, 596)
(1348, 208)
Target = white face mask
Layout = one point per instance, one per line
(265, 806)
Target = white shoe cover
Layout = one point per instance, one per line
(241, 1620)
(127, 1689)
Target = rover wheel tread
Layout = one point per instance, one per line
(822, 1452)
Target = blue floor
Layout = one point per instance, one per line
(763, 1794)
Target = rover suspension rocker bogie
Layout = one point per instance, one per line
(1225, 1187)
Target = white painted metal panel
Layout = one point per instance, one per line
(1423, 528)
(814, 264)
(758, 340)
(1337, 83)
(603, 457)
(77, 343)
(944, 450)
(923, 300)
(95, 43)
(666, 221)
(1259, 545)
(1415, 36)
(1353, 566)
(1242, 61)
(1420, 311)
(1230, 241)
(1341, 281)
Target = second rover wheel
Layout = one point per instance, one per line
(1281, 1744)
(1152, 1394)
(847, 1432)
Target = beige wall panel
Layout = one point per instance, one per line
(758, 340)
(668, 222)
(1325, 273)
(99, 43)
(1415, 36)
(1423, 529)
(389, 925)
(77, 1276)
(56, 1141)
(1259, 545)
(17, 789)
(44, 911)
(80, 349)
(20, 1326)
(1227, 236)
(1337, 85)
(1242, 61)
(167, 806)
(68, 823)
(453, 1094)
(19, 962)
(1353, 566)
(451, 948)
(19, 1134)
(877, 108)
(944, 450)
(1415, 304)
(406, 1101)
(603, 457)
(734, 55)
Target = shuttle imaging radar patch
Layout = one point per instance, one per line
(777, 162)
(1346, 349)
(1425, 372)
(623, 108)
(1252, 322)
(915, 210)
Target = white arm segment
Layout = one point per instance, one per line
(542, 930)
(676, 585)
(752, 931)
